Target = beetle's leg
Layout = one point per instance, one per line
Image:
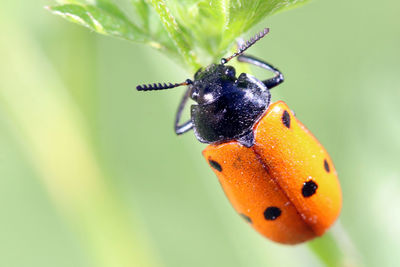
(183, 128)
(270, 83)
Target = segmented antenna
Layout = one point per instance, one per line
(246, 45)
(159, 86)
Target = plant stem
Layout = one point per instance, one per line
(335, 249)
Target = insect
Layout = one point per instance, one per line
(275, 173)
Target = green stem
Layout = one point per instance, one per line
(335, 249)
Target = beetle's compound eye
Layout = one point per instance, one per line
(195, 93)
(230, 72)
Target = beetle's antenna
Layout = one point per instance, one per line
(246, 45)
(159, 86)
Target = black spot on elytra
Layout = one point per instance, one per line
(309, 188)
(286, 119)
(246, 218)
(326, 166)
(215, 165)
(272, 213)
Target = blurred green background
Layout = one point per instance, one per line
(92, 173)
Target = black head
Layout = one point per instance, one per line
(227, 107)
(209, 82)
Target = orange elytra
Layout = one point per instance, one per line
(285, 185)
(275, 173)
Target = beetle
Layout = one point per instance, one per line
(275, 173)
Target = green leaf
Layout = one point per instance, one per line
(105, 18)
(214, 24)
(243, 14)
(202, 23)
(143, 12)
(175, 32)
(187, 30)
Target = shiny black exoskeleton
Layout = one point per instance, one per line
(227, 107)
